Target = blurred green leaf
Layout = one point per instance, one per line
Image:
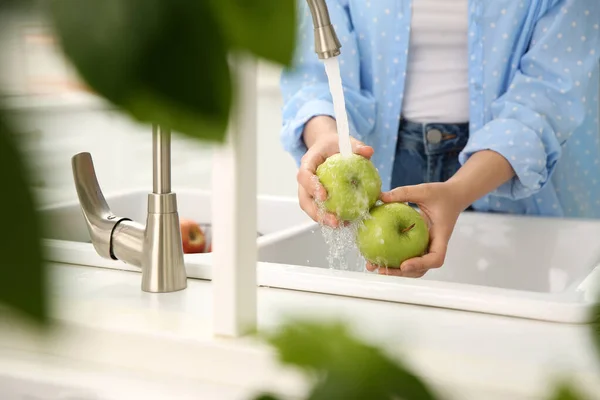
(566, 391)
(161, 61)
(264, 27)
(344, 366)
(595, 326)
(10, 3)
(22, 286)
(266, 397)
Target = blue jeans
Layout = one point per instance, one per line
(427, 152)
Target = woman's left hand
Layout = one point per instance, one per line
(440, 207)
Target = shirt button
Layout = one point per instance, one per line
(434, 136)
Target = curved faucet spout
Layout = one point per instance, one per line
(155, 248)
(327, 44)
(98, 217)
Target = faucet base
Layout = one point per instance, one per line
(163, 268)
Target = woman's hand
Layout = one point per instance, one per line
(440, 209)
(442, 203)
(321, 138)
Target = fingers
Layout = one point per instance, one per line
(317, 155)
(312, 159)
(310, 189)
(371, 267)
(436, 255)
(418, 266)
(362, 149)
(426, 262)
(306, 175)
(400, 272)
(309, 206)
(331, 147)
(310, 183)
(407, 194)
(394, 271)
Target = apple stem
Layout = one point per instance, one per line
(407, 229)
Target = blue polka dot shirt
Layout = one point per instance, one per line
(534, 86)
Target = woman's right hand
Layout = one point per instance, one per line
(321, 138)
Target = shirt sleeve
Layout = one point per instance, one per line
(546, 100)
(305, 88)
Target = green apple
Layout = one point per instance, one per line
(394, 233)
(353, 185)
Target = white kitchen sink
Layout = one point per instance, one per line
(67, 239)
(533, 267)
(530, 267)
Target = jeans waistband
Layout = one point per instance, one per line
(416, 126)
(433, 138)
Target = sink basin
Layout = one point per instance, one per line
(67, 239)
(531, 267)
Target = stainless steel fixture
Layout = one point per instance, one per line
(327, 44)
(155, 248)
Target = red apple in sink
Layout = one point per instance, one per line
(192, 237)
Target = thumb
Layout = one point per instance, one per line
(406, 194)
(362, 149)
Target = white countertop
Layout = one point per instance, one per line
(106, 323)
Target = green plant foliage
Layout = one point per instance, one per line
(266, 397)
(595, 328)
(161, 61)
(566, 391)
(22, 286)
(343, 366)
(265, 28)
(166, 61)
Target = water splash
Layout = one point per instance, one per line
(342, 250)
(343, 253)
(332, 68)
